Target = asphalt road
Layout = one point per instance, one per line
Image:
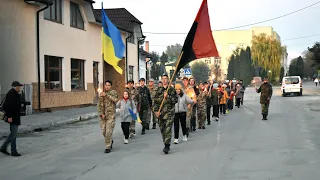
(240, 146)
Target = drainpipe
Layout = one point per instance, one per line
(126, 65)
(38, 54)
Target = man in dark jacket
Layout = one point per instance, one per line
(266, 94)
(144, 102)
(12, 107)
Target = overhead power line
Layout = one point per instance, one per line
(289, 39)
(246, 25)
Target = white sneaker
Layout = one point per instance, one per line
(185, 138)
(126, 141)
(176, 141)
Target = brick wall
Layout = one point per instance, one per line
(118, 80)
(52, 99)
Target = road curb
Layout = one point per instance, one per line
(26, 129)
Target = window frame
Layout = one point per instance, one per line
(130, 72)
(47, 59)
(76, 7)
(81, 64)
(54, 5)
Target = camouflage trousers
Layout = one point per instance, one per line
(265, 109)
(202, 115)
(107, 125)
(188, 120)
(151, 115)
(144, 117)
(132, 128)
(165, 124)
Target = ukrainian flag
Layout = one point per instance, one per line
(112, 45)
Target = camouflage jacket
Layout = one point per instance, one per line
(107, 103)
(143, 98)
(169, 102)
(133, 93)
(266, 92)
(202, 98)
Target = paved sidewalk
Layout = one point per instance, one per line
(44, 121)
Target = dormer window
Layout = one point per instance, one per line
(76, 19)
(54, 12)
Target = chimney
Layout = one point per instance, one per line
(147, 46)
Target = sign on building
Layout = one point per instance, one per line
(187, 72)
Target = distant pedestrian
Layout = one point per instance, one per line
(166, 115)
(316, 81)
(266, 94)
(223, 100)
(239, 94)
(230, 101)
(124, 105)
(150, 112)
(209, 102)
(202, 106)
(107, 108)
(215, 95)
(181, 108)
(12, 107)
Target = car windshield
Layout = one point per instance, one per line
(292, 80)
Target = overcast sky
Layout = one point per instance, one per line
(178, 16)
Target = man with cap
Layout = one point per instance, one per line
(266, 93)
(154, 119)
(166, 114)
(144, 102)
(133, 93)
(193, 124)
(208, 102)
(12, 107)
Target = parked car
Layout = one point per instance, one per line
(291, 85)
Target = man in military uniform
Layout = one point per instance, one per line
(144, 103)
(202, 106)
(191, 94)
(150, 112)
(107, 110)
(194, 107)
(266, 94)
(133, 93)
(166, 114)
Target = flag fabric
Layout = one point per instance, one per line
(134, 116)
(199, 42)
(112, 45)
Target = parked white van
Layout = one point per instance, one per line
(291, 84)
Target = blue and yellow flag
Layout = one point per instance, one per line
(112, 45)
(134, 116)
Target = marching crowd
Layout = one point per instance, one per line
(187, 105)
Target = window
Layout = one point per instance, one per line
(131, 39)
(130, 74)
(292, 80)
(76, 19)
(217, 61)
(53, 73)
(77, 74)
(54, 12)
(208, 60)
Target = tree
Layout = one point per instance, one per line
(155, 71)
(154, 57)
(300, 67)
(315, 50)
(164, 58)
(293, 67)
(230, 74)
(267, 53)
(200, 71)
(173, 52)
(309, 70)
(281, 74)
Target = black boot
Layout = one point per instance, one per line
(209, 122)
(188, 130)
(5, 151)
(111, 144)
(166, 148)
(15, 154)
(147, 127)
(264, 117)
(143, 131)
(154, 126)
(107, 151)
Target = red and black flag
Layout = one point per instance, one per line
(199, 42)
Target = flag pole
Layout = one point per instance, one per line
(175, 70)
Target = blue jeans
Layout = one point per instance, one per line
(11, 139)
